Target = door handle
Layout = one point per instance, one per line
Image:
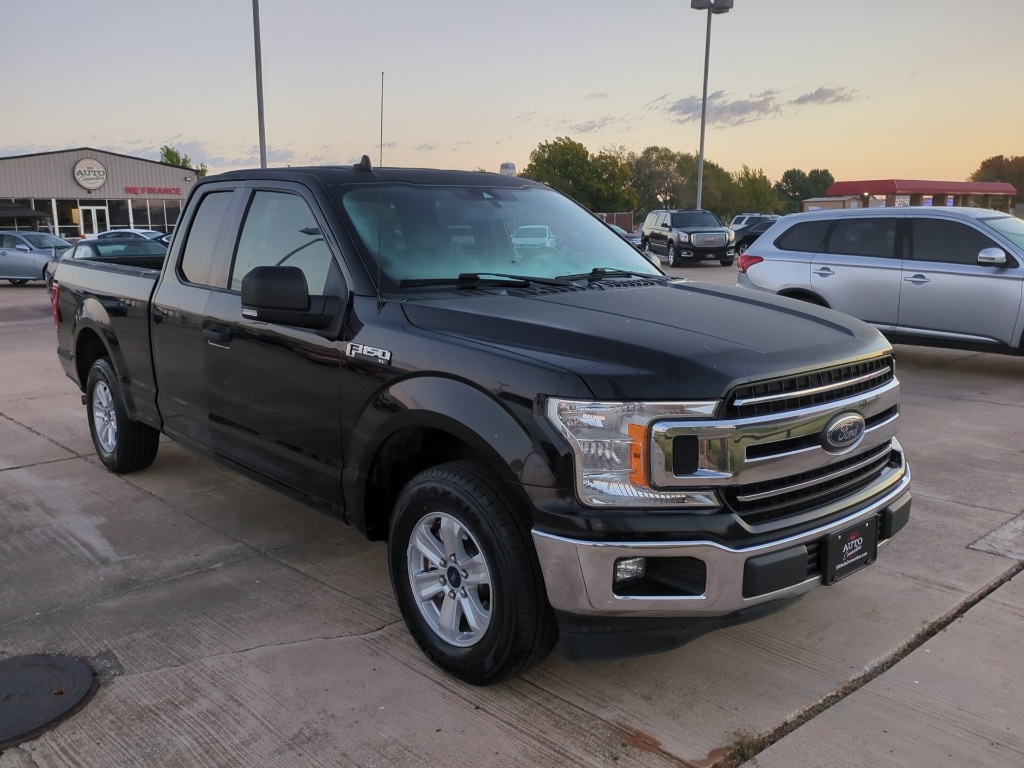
(823, 272)
(917, 279)
(218, 335)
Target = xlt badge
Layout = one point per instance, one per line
(364, 352)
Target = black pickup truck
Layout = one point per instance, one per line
(555, 442)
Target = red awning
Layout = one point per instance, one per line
(920, 187)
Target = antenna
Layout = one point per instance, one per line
(380, 159)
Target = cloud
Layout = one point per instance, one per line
(726, 111)
(826, 96)
(590, 126)
(427, 147)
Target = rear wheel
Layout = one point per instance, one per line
(17, 282)
(466, 576)
(122, 445)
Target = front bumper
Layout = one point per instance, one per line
(579, 574)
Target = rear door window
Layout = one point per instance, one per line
(864, 237)
(199, 257)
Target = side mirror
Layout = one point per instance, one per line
(281, 295)
(23, 248)
(992, 257)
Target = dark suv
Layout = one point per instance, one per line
(686, 237)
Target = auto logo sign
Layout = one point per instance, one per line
(843, 433)
(90, 173)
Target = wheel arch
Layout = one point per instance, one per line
(410, 428)
(804, 295)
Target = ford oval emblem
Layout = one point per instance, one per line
(843, 433)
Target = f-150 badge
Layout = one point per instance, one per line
(364, 352)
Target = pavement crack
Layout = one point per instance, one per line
(747, 746)
(40, 435)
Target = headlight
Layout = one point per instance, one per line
(732, 236)
(611, 445)
(683, 237)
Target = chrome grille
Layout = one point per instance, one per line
(709, 239)
(808, 389)
(770, 500)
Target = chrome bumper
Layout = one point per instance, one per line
(579, 574)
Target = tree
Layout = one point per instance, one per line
(656, 178)
(754, 192)
(1009, 170)
(795, 186)
(171, 156)
(600, 182)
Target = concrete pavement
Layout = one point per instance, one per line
(234, 627)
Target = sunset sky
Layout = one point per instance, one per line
(865, 88)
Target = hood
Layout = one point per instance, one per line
(632, 340)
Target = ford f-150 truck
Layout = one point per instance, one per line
(562, 442)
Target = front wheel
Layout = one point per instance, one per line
(17, 282)
(673, 255)
(725, 262)
(466, 575)
(742, 248)
(122, 445)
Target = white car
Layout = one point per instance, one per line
(138, 234)
(533, 236)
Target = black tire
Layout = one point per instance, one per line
(742, 248)
(492, 580)
(673, 254)
(725, 262)
(122, 445)
(19, 281)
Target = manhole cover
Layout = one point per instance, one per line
(37, 692)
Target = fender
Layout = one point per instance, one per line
(504, 437)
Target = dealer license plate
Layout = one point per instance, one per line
(850, 550)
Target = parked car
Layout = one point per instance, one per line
(120, 234)
(533, 236)
(573, 446)
(744, 220)
(749, 221)
(949, 277)
(127, 250)
(24, 255)
(750, 234)
(687, 237)
(634, 239)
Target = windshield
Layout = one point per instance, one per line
(1009, 227)
(695, 219)
(44, 240)
(415, 232)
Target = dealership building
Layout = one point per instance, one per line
(76, 192)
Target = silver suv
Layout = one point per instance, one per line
(949, 277)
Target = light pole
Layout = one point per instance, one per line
(711, 6)
(259, 80)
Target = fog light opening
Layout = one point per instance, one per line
(630, 568)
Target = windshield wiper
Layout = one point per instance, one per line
(477, 279)
(599, 273)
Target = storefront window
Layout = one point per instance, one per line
(67, 218)
(117, 213)
(173, 208)
(156, 215)
(140, 214)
